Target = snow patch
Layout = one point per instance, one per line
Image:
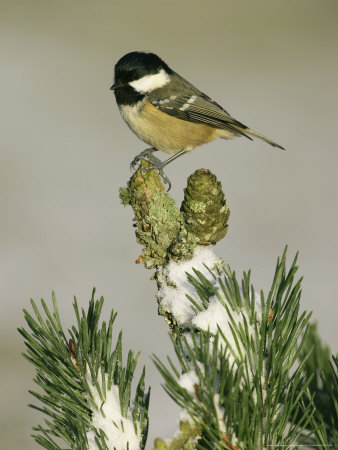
(107, 415)
(172, 293)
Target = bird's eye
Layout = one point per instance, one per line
(135, 76)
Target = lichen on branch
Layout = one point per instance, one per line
(167, 233)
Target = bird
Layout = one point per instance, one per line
(169, 113)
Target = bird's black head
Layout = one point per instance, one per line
(136, 65)
(137, 73)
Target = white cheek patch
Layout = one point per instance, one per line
(150, 82)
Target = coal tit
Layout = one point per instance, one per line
(167, 112)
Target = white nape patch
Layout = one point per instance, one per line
(150, 82)
(188, 103)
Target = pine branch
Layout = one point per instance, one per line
(167, 233)
(237, 381)
(251, 373)
(322, 371)
(263, 338)
(86, 390)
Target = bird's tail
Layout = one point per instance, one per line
(258, 135)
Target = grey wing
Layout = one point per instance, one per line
(194, 106)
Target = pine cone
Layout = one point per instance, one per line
(204, 207)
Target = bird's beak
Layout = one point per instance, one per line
(116, 86)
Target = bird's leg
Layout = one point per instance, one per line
(172, 158)
(147, 154)
(158, 165)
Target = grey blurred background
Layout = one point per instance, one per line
(65, 152)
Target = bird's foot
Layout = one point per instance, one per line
(158, 166)
(147, 154)
(155, 164)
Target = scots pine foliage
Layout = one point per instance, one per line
(76, 375)
(260, 400)
(322, 371)
(251, 373)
